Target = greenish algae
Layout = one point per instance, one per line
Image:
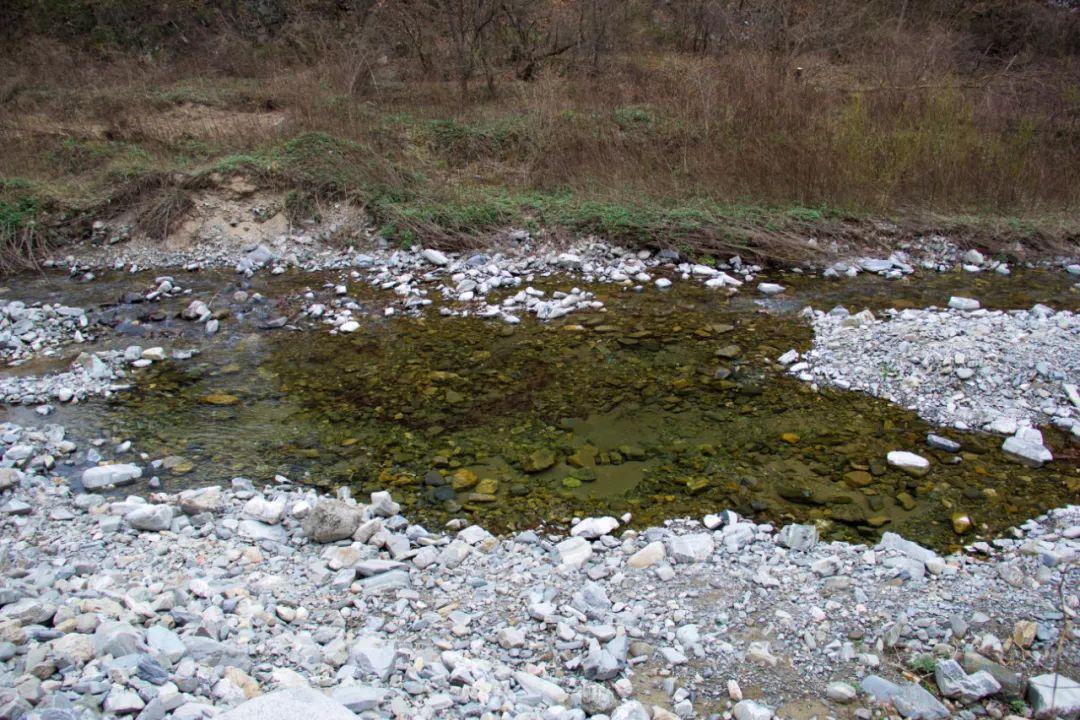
(628, 411)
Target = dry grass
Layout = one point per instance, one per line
(728, 150)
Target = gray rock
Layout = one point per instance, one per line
(153, 518)
(151, 670)
(331, 520)
(911, 701)
(108, 475)
(892, 541)
(10, 477)
(1025, 452)
(841, 692)
(750, 710)
(121, 701)
(599, 664)
(165, 642)
(201, 500)
(373, 656)
(549, 691)
(265, 511)
(383, 505)
(216, 654)
(259, 532)
(291, 704)
(358, 698)
(1053, 695)
(1011, 683)
(435, 257)
(954, 683)
(16, 506)
(942, 443)
(798, 537)
(28, 611)
(691, 548)
(393, 580)
(630, 710)
(593, 528)
(597, 699)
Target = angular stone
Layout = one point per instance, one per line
(291, 704)
(259, 532)
(648, 555)
(750, 710)
(383, 505)
(265, 511)
(10, 477)
(630, 710)
(549, 691)
(841, 692)
(373, 657)
(358, 698)
(1011, 683)
(892, 541)
(331, 520)
(75, 648)
(152, 518)
(1053, 695)
(596, 699)
(164, 641)
(1025, 452)
(103, 476)
(692, 548)
(201, 500)
(393, 580)
(574, 551)
(28, 611)
(798, 537)
(954, 683)
(911, 701)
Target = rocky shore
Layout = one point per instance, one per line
(961, 366)
(245, 595)
(259, 598)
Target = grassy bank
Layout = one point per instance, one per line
(876, 128)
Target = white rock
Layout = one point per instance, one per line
(264, 511)
(574, 551)
(909, 462)
(962, 303)
(1052, 695)
(1026, 452)
(435, 257)
(592, 528)
(646, 556)
(750, 710)
(291, 704)
(691, 548)
(102, 476)
(552, 693)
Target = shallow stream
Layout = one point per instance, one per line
(666, 405)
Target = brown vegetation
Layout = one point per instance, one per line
(710, 121)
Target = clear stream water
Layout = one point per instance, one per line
(631, 410)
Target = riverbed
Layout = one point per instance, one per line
(665, 404)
